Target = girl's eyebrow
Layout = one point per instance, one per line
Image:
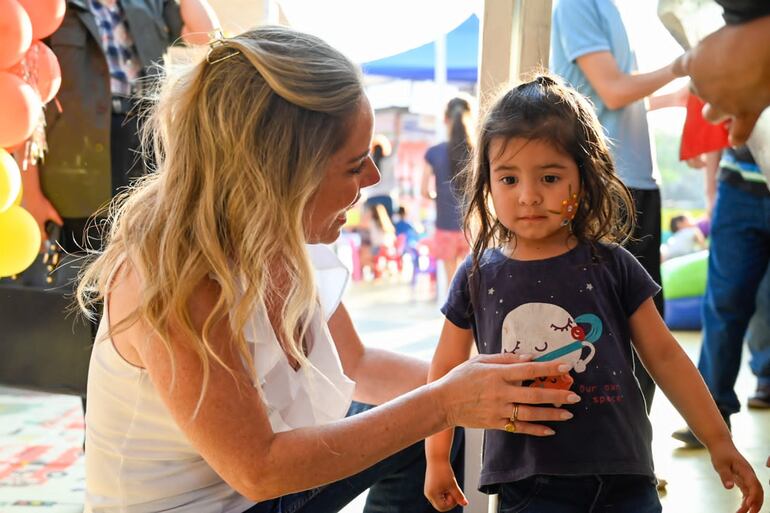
(512, 167)
(553, 165)
(504, 167)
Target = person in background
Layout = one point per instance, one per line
(730, 69)
(758, 342)
(591, 50)
(109, 52)
(445, 161)
(739, 256)
(226, 361)
(686, 237)
(378, 236)
(381, 192)
(403, 227)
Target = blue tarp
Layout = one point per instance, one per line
(462, 48)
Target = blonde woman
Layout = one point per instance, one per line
(225, 362)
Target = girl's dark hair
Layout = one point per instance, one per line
(459, 145)
(545, 109)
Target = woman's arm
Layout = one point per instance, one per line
(454, 347)
(379, 375)
(35, 202)
(232, 432)
(199, 21)
(425, 185)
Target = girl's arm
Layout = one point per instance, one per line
(673, 371)
(454, 347)
(441, 488)
(379, 375)
(231, 429)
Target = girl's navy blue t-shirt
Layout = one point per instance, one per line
(574, 307)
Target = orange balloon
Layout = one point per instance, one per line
(45, 15)
(48, 73)
(19, 109)
(40, 69)
(15, 33)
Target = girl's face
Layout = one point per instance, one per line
(350, 169)
(529, 181)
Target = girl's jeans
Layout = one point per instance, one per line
(580, 494)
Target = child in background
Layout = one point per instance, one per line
(548, 278)
(377, 236)
(686, 237)
(404, 227)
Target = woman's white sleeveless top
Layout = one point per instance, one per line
(137, 458)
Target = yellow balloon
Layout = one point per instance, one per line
(19, 240)
(19, 197)
(10, 180)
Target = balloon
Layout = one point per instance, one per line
(15, 33)
(45, 15)
(10, 180)
(48, 73)
(19, 241)
(19, 109)
(40, 69)
(19, 197)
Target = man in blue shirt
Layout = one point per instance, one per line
(591, 51)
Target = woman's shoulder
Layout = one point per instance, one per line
(435, 150)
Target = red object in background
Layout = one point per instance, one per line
(698, 135)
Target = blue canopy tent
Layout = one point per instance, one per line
(462, 50)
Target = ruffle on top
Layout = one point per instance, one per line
(317, 393)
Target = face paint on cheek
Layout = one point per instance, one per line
(569, 208)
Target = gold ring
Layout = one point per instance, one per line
(515, 415)
(511, 426)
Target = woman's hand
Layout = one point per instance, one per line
(482, 393)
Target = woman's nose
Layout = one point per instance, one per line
(371, 175)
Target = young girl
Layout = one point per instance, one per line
(547, 279)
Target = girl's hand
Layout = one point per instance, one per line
(734, 469)
(482, 393)
(441, 488)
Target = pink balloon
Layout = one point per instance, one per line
(45, 15)
(15, 33)
(19, 109)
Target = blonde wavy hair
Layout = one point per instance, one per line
(239, 142)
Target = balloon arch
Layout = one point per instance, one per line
(29, 78)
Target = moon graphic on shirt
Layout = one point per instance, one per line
(550, 333)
